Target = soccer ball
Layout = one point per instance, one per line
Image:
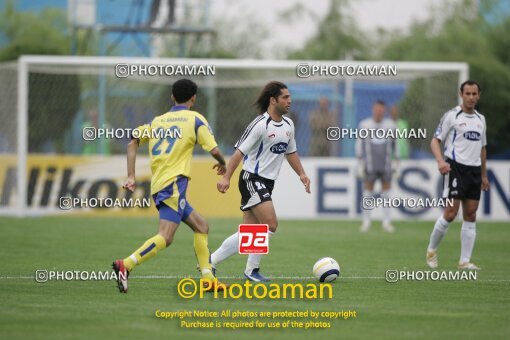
(326, 269)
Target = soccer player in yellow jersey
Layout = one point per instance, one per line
(171, 138)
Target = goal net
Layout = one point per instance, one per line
(48, 101)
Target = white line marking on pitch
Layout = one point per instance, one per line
(156, 277)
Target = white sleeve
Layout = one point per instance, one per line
(292, 147)
(484, 136)
(444, 126)
(359, 142)
(394, 141)
(250, 139)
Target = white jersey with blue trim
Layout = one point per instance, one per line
(463, 135)
(264, 144)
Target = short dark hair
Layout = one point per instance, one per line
(272, 89)
(380, 102)
(470, 82)
(183, 90)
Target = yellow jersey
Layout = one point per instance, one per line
(171, 138)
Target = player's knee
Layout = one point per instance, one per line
(273, 224)
(198, 224)
(203, 227)
(168, 239)
(469, 216)
(449, 215)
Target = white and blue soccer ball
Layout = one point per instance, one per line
(326, 269)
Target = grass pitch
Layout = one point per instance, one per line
(95, 309)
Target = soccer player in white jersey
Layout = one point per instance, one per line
(377, 160)
(463, 133)
(265, 143)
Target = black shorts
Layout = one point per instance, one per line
(462, 182)
(254, 189)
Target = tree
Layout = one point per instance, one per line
(337, 36)
(27, 33)
(458, 32)
(500, 42)
(233, 39)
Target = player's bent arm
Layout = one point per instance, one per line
(131, 161)
(295, 164)
(233, 163)
(131, 157)
(395, 148)
(435, 147)
(216, 153)
(220, 166)
(483, 158)
(224, 183)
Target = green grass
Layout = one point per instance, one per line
(89, 309)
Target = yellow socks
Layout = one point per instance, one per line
(157, 243)
(202, 253)
(147, 251)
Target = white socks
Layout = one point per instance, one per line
(467, 239)
(228, 248)
(386, 208)
(438, 232)
(366, 212)
(254, 259)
